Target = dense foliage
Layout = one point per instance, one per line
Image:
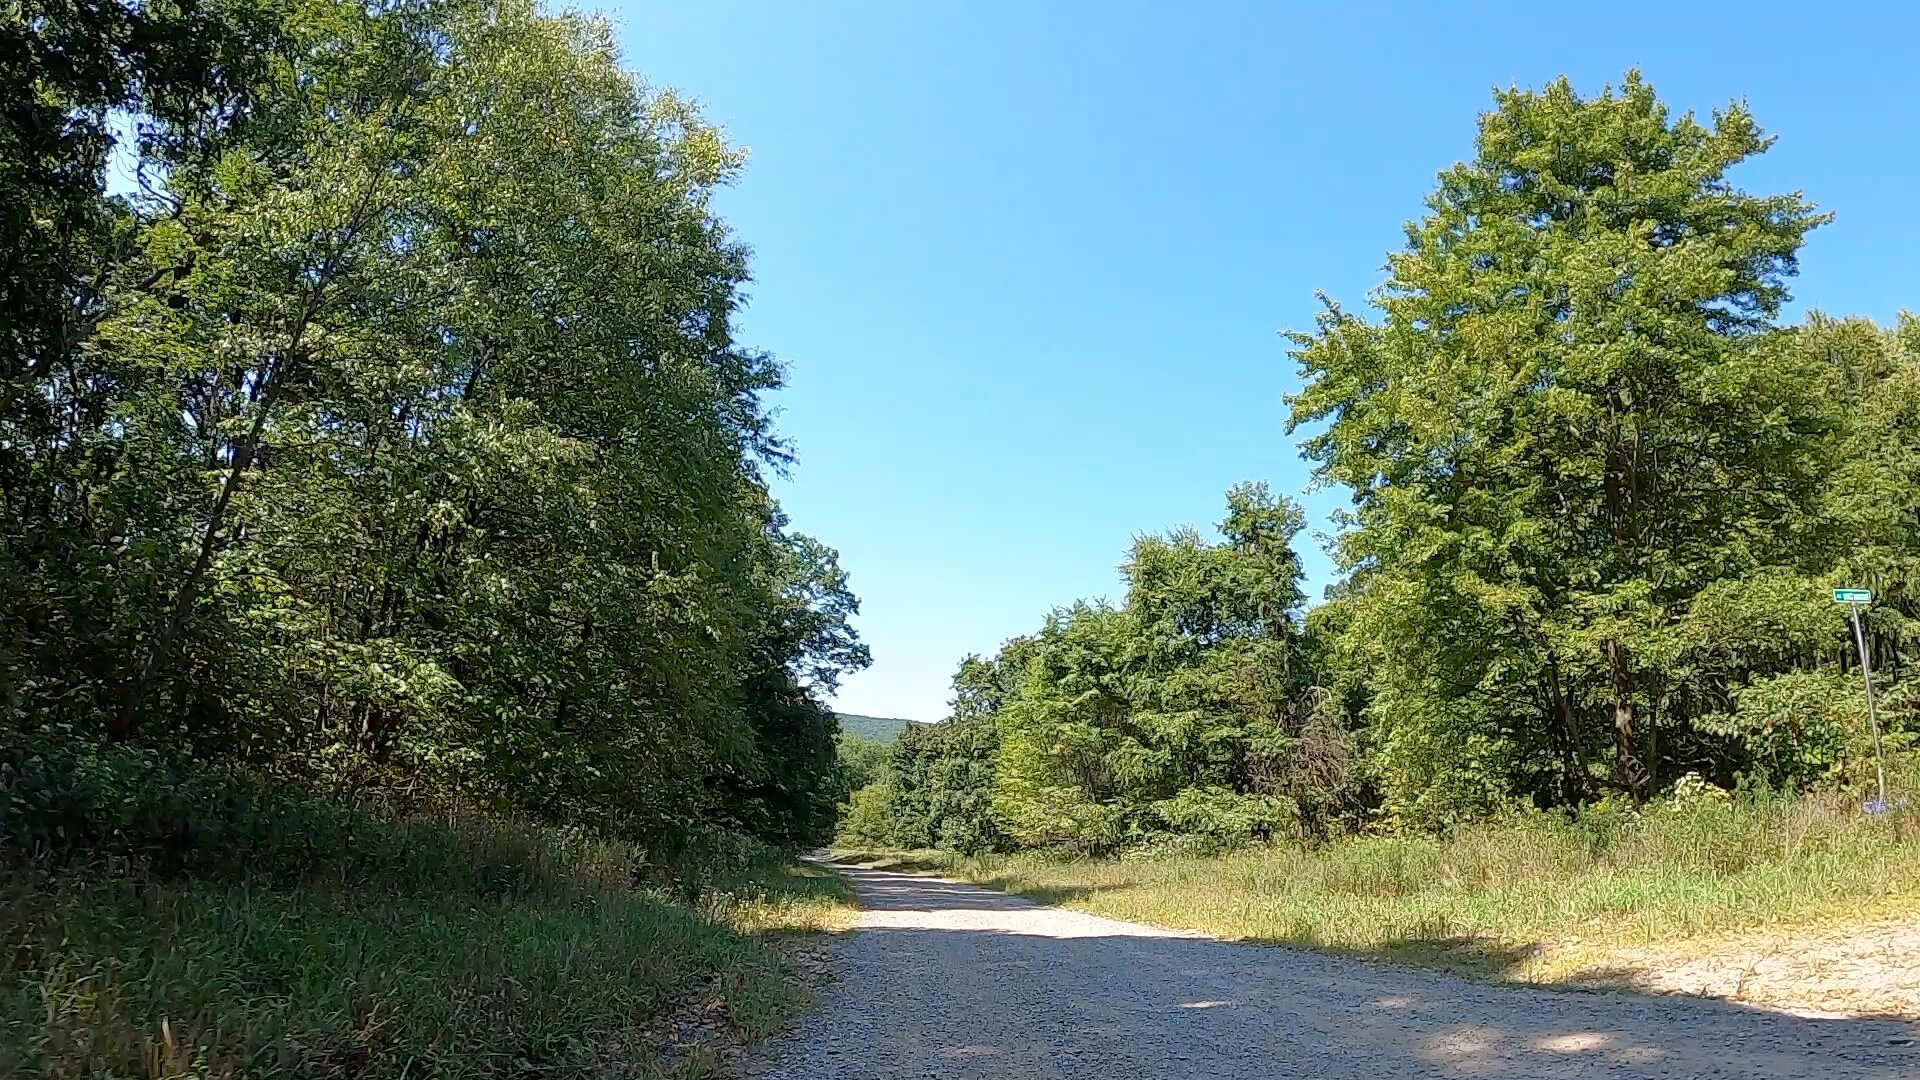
(1192, 709)
(1600, 496)
(393, 431)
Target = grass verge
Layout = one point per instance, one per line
(481, 949)
(1539, 899)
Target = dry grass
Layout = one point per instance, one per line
(1539, 899)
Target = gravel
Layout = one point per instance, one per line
(942, 979)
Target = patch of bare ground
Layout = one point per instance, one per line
(1865, 969)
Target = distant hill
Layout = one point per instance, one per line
(880, 728)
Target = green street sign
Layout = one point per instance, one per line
(1853, 596)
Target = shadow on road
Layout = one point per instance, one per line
(860, 862)
(928, 895)
(950, 980)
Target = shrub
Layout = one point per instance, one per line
(1799, 727)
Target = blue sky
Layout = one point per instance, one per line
(1028, 263)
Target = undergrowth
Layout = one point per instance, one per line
(239, 929)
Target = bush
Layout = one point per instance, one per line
(74, 802)
(1797, 728)
(66, 796)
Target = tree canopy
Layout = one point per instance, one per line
(1600, 494)
(393, 431)
(396, 431)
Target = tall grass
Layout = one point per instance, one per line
(276, 935)
(1491, 899)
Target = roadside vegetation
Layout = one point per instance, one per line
(1582, 681)
(1540, 897)
(404, 667)
(258, 933)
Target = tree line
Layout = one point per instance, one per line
(1600, 495)
(383, 423)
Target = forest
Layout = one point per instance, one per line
(1601, 494)
(386, 545)
(391, 432)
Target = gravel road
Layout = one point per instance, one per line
(942, 980)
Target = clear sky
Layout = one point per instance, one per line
(1028, 262)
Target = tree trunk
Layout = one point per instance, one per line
(1626, 756)
(244, 451)
(1573, 787)
(121, 726)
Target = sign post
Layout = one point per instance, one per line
(1857, 599)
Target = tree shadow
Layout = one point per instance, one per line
(905, 862)
(1049, 895)
(1461, 954)
(874, 871)
(1500, 962)
(946, 868)
(807, 881)
(948, 980)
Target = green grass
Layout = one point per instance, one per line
(490, 949)
(1539, 898)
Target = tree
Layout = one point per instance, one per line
(1567, 425)
(407, 442)
(1186, 712)
(940, 783)
(863, 761)
(75, 561)
(937, 789)
(803, 646)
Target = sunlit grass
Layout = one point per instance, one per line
(1535, 898)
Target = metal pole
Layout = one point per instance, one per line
(1873, 722)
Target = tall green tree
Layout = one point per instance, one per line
(418, 450)
(1567, 424)
(75, 546)
(1183, 712)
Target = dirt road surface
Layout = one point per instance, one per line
(944, 980)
